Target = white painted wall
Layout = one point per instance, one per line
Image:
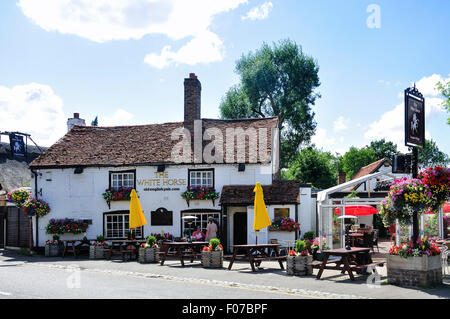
(79, 196)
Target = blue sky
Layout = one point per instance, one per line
(125, 61)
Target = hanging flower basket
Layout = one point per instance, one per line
(18, 196)
(200, 193)
(405, 197)
(36, 207)
(438, 181)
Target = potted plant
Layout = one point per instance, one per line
(316, 252)
(148, 252)
(53, 247)
(66, 226)
(212, 256)
(299, 261)
(97, 248)
(415, 265)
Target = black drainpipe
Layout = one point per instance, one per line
(37, 217)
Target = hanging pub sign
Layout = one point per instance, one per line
(414, 117)
(17, 145)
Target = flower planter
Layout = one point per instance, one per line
(421, 271)
(52, 250)
(96, 252)
(299, 265)
(148, 255)
(212, 259)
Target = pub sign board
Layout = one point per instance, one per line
(414, 118)
(17, 145)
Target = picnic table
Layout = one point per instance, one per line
(348, 260)
(71, 246)
(255, 254)
(181, 250)
(126, 248)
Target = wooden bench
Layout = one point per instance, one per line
(377, 263)
(282, 258)
(318, 263)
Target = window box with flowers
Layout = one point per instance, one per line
(114, 194)
(416, 265)
(284, 224)
(212, 255)
(66, 226)
(299, 261)
(200, 193)
(149, 251)
(53, 247)
(97, 248)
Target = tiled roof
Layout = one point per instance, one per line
(277, 193)
(129, 145)
(366, 170)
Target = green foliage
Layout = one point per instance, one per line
(56, 237)
(300, 246)
(100, 238)
(355, 159)
(314, 166)
(277, 80)
(444, 88)
(309, 235)
(383, 149)
(430, 155)
(25, 252)
(214, 242)
(95, 122)
(151, 241)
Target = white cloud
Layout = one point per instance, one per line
(35, 109)
(120, 117)
(321, 140)
(259, 13)
(206, 47)
(391, 124)
(106, 20)
(340, 124)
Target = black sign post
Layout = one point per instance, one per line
(414, 136)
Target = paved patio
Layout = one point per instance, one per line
(269, 279)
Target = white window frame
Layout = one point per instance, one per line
(122, 179)
(202, 221)
(200, 178)
(121, 220)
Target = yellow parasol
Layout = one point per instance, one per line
(261, 219)
(137, 218)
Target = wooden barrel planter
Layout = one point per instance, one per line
(148, 255)
(212, 259)
(52, 250)
(96, 252)
(299, 265)
(423, 271)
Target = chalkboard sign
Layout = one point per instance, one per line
(162, 217)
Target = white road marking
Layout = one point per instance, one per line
(5, 293)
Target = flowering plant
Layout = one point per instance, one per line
(18, 196)
(214, 245)
(150, 242)
(294, 253)
(100, 243)
(36, 207)
(63, 226)
(114, 193)
(200, 193)
(55, 241)
(423, 247)
(162, 236)
(316, 244)
(405, 197)
(438, 181)
(284, 224)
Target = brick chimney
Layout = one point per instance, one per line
(192, 99)
(341, 178)
(76, 120)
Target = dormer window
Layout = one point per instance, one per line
(122, 179)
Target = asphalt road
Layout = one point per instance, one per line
(33, 281)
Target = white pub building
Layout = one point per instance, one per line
(161, 161)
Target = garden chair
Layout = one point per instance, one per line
(282, 250)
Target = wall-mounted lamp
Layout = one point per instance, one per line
(161, 168)
(241, 167)
(78, 170)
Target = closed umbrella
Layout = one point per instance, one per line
(137, 218)
(261, 219)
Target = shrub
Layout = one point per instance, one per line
(151, 241)
(214, 242)
(100, 238)
(300, 246)
(309, 235)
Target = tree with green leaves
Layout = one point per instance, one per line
(278, 80)
(314, 166)
(383, 149)
(95, 122)
(355, 159)
(444, 88)
(430, 155)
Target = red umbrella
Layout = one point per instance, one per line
(357, 210)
